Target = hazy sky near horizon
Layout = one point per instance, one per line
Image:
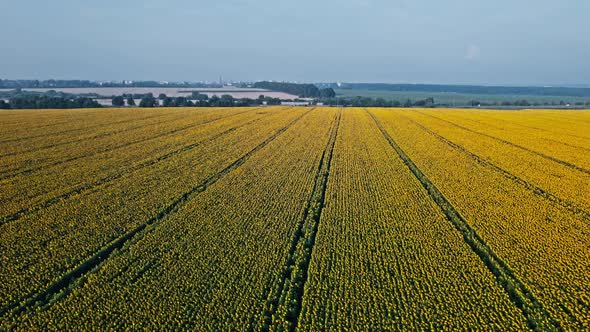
(413, 41)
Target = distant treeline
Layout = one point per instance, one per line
(301, 90)
(47, 102)
(49, 84)
(195, 100)
(20, 93)
(468, 89)
(377, 102)
(430, 102)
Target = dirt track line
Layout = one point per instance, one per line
(99, 135)
(90, 186)
(79, 129)
(485, 123)
(571, 206)
(531, 127)
(61, 287)
(538, 319)
(291, 288)
(169, 133)
(559, 161)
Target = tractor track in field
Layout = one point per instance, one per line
(90, 186)
(542, 155)
(12, 133)
(3, 175)
(570, 206)
(61, 287)
(99, 135)
(482, 122)
(526, 126)
(80, 129)
(537, 317)
(300, 252)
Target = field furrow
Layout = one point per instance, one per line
(275, 218)
(28, 163)
(558, 146)
(385, 258)
(26, 191)
(77, 127)
(228, 246)
(77, 190)
(545, 245)
(69, 279)
(74, 140)
(41, 247)
(573, 207)
(560, 180)
(283, 306)
(537, 317)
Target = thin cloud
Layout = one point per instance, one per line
(472, 52)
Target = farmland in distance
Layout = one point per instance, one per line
(293, 218)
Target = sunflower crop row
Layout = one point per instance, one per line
(211, 264)
(38, 249)
(137, 148)
(545, 245)
(386, 258)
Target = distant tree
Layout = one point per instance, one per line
(327, 93)
(199, 96)
(260, 100)
(244, 102)
(162, 96)
(130, 101)
(226, 101)
(118, 101)
(429, 102)
(214, 101)
(420, 103)
(168, 102)
(4, 105)
(301, 90)
(148, 101)
(408, 103)
(181, 102)
(380, 102)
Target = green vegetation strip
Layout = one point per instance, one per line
(537, 317)
(59, 288)
(572, 207)
(559, 161)
(283, 308)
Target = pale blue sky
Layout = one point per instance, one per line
(429, 41)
